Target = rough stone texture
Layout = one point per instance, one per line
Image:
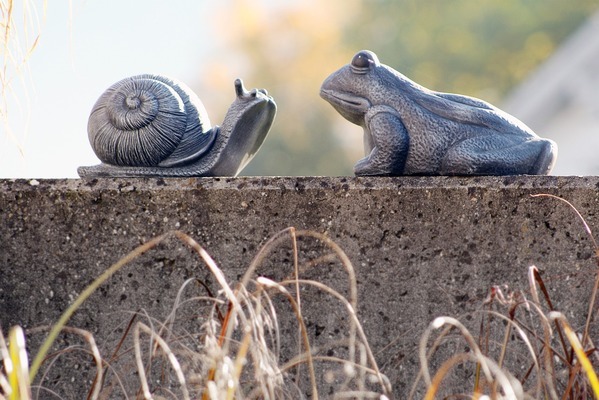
(422, 247)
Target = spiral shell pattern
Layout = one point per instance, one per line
(149, 120)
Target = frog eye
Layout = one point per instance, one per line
(362, 62)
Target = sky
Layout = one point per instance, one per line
(81, 53)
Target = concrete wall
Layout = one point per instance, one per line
(422, 247)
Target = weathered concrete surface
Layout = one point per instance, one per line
(422, 247)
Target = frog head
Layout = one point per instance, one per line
(357, 86)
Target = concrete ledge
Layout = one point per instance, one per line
(422, 247)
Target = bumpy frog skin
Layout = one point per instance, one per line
(411, 130)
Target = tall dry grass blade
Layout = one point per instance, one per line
(421, 371)
(587, 325)
(211, 296)
(128, 328)
(580, 217)
(8, 367)
(534, 279)
(302, 358)
(273, 328)
(235, 309)
(355, 322)
(41, 354)
(100, 380)
(486, 329)
(445, 368)
(359, 395)
(578, 349)
(343, 258)
(140, 326)
(167, 327)
(596, 250)
(89, 338)
(221, 339)
(572, 382)
(351, 278)
(18, 377)
(239, 363)
(96, 387)
(94, 351)
(510, 385)
(298, 299)
(292, 234)
(511, 324)
(438, 323)
(503, 351)
(264, 252)
(4, 387)
(15, 54)
(339, 254)
(267, 283)
(361, 373)
(591, 307)
(214, 269)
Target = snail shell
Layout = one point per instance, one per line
(150, 125)
(149, 120)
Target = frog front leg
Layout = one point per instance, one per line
(387, 139)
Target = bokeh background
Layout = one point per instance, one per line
(58, 57)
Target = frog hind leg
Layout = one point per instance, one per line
(499, 155)
(546, 159)
(390, 144)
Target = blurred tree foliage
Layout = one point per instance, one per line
(481, 49)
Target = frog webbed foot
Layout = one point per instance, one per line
(368, 166)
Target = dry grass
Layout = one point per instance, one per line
(20, 27)
(524, 349)
(234, 355)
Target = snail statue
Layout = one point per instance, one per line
(411, 130)
(150, 125)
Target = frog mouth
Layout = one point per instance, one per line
(346, 101)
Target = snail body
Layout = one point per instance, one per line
(151, 125)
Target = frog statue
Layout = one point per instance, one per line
(411, 130)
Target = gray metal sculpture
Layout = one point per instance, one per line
(411, 130)
(150, 125)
